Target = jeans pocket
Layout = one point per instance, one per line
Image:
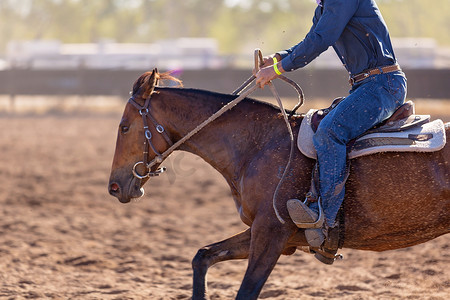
(397, 87)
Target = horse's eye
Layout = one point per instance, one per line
(124, 128)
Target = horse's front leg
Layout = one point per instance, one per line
(235, 247)
(268, 241)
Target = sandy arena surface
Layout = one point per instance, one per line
(63, 237)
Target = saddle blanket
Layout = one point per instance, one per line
(428, 137)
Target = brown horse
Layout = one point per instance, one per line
(393, 200)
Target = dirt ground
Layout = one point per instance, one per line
(63, 237)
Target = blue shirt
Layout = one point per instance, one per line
(354, 28)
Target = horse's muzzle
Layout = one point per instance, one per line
(115, 190)
(126, 192)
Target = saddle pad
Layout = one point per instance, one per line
(428, 137)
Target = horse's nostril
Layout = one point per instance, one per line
(114, 187)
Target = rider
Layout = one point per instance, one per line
(357, 32)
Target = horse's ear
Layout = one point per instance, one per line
(149, 84)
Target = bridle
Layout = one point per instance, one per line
(144, 111)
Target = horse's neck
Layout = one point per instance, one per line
(228, 142)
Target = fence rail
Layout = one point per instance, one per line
(316, 83)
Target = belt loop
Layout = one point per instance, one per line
(351, 81)
(381, 70)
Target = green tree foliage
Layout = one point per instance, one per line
(418, 18)
(237, 25)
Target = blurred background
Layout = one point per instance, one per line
(98, 48)
(66, 69)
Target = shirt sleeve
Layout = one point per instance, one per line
(326, 30)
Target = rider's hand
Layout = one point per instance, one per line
(267, 73)
(267, 61)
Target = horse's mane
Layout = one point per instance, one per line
(159, 78)
(223, 98)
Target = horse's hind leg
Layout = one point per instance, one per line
(235, 247)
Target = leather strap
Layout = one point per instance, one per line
(366, 74)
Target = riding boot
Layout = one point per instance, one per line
(304, 217)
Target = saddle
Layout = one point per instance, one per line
(404, 131)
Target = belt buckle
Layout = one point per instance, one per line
(351, 80)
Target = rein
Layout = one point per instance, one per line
(291, 152)
(258, 62)
(145, 112)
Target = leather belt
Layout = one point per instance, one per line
(366, 74)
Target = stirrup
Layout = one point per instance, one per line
(303, 216)
(327, 257)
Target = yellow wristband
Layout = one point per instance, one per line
(275, 67)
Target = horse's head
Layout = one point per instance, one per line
(140, 141)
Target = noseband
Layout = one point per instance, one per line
(145, 113)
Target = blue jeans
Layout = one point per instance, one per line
(370, 102)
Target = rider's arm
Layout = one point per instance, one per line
(326, 30)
